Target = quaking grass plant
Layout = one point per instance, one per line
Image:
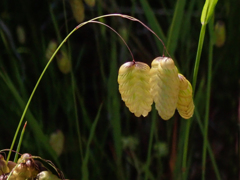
(207, 13)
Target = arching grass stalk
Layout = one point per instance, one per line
(54, 54)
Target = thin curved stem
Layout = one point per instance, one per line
(50, 60)
(34, 89)
(117, 34)
(130, 18)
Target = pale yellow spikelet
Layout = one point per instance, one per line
(133, 79)
(185, 105)
(78, 10)
(164, 86)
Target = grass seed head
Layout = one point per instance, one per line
(220, 33)
(64, 63)
(78, 10)
(164, 86)
(133, 79)
(46, 175)
(52, 46)
(185, 105)
(3, 166)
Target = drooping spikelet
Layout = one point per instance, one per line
(3, 166)
(164, 86)
(133, 79)
(47, 175)
(185, 105)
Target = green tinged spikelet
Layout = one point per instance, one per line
(47, 175)
(220, 33)
(78, 10)
(133, 79)
(3, 166)
(185, 105)
(164, 86)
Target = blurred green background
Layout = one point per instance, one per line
(83, 102)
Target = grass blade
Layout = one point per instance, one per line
(85, 172)
(208, 10)
(209, 80)
(153, 22)
(154, 117)
(20, 143)
(38, 133)
(173, 34)
(114, 107)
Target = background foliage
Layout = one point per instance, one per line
(85, 103)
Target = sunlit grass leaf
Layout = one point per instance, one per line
(208, 10)
(164, 86)
(185, 105)
(133, 79)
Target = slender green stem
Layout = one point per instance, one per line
(76, 116)
(185, 148)
(173, 34)
(50, 60)
(55, 24)
(20, 142)
(205, 134)
(73, 89)
(195, 73)
(208, 146)
(199, 52)
(85, 170)
(154, 117)
(34, 89)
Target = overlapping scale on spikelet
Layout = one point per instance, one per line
(164, 86)
(133, 79)
(185, 105)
